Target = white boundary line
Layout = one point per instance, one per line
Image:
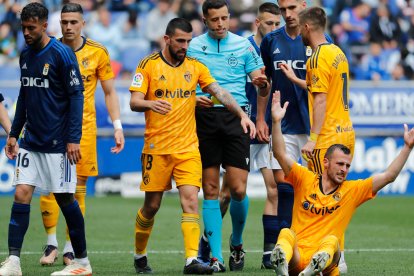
(248, 251)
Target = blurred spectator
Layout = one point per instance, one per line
(188, 9)
(384, 27)
(156, 23)
(374, 64)
(106, 32)
(7, 41)
(398, 73)
(354, 22)
(198, 27)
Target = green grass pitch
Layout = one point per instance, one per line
(379, 240)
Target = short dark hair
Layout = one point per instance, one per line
(270, 8)
(72, 7)
(178, 23)
(315, 16)
(213, 4)
(334, 147)
(33, 10)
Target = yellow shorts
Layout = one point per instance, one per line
(305, 258)
(88, 165)
(158, 170)
(316, 163)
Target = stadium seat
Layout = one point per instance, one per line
(132, 53)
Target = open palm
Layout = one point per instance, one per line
(278, 112)
(408, 136)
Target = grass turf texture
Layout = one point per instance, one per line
(379, 240)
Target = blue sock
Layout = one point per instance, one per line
(238, 212)
(212, 226)
(76, 227)
(285, 204)
(271, 229)
(19, 222)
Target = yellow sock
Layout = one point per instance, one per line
(286, 241)
(190, 226)
(143, 227)
(330, 245)
(80, 196)
(50, 213)
(342, 243)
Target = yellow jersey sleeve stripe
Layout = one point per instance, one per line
(97, 45)
(152, 57)
(145, 60)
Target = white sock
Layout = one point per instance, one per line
(189, 260)
(68, 247)
(139, 256)
(82, 261)
(51, 240)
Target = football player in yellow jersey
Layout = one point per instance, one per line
(94, 65)
(323, 204)
(164, 88)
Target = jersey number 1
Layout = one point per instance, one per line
(345, 100)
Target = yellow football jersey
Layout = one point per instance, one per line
(316, 215)
(327, 71)
(94, 64)
(158, 80)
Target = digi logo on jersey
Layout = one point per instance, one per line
(318, 211)
(177, 93)
(35, 82)
(295, 64)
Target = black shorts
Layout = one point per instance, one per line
(222, 139)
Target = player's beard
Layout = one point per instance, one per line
(175, 56)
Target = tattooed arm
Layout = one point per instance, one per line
(228, 101)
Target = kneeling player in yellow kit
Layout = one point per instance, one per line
(323, 204)
(94, 64)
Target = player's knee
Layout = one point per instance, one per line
(238, 193)
(23, 194)
(210, 190)
(150, 209)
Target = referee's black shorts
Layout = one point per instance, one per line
(222, 139)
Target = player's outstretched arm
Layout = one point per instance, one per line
(390, 174)
(228, 101)
(290, 74)
(278, 144)
(139, 104)
(112, 104)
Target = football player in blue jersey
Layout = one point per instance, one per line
(50, 107)
(222, 140)
(4, 117)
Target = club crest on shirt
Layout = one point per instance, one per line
(46, 69)
(308, 51)
(232, 61)
(187, 76)
(137, 80)
(85, 63)
(337, 196)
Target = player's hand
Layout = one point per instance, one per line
(73, 153)
(247, 125)
(408, 136)
(261, 80)
(278, 112)
(262, 131)
(119, 141)
(12, 148)
(160, 106)
(203, 101)
(288, 71)
(307, 150)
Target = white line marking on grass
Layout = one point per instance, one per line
(248, 251)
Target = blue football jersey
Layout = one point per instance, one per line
(277, 48)
(50, 102)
